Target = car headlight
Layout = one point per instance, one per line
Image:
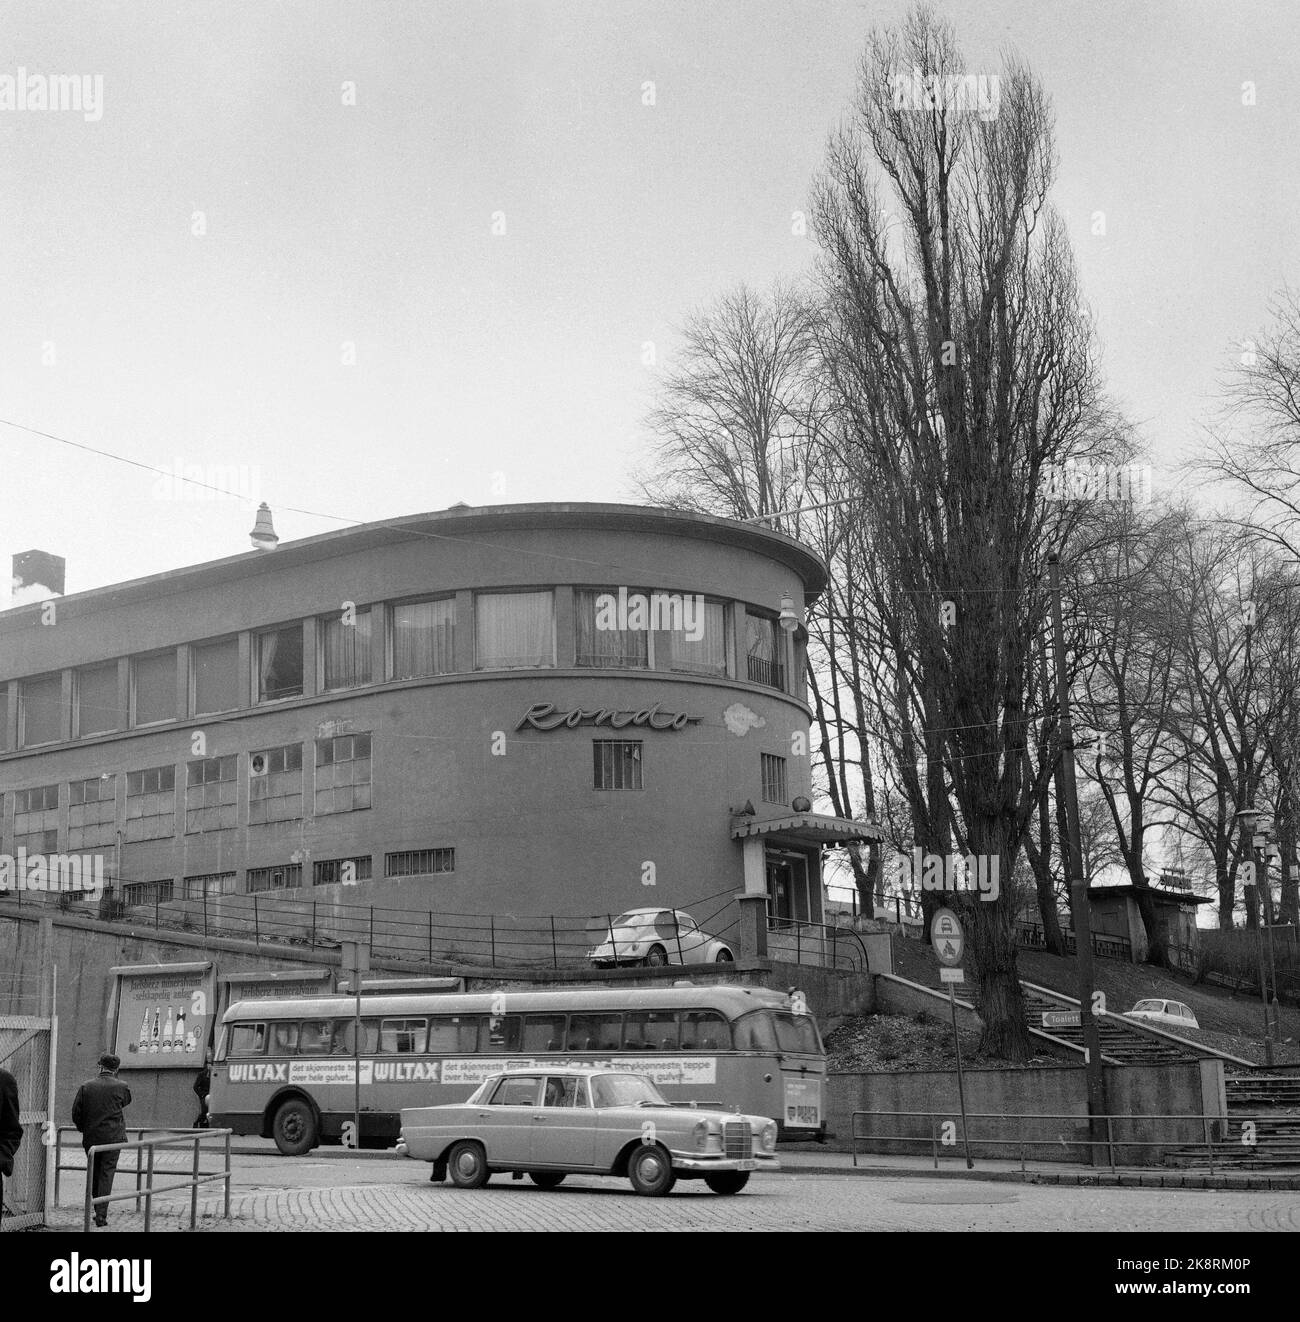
(767, 1137)
(708, 1136)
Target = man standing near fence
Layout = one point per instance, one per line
(97, 1111)
(11, 1132)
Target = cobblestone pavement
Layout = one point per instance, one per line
(307, 1193)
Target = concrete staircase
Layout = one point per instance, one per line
(1261, 1107)
(1121, 1043)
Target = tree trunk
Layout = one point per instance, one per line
(992, 960)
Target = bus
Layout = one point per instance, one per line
(284, 1069)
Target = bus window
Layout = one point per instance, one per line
(344, 1036)
(796, 1032)
(502, 1033)
(284, 1039)
(595, 1032)
(755, 1032)
(705, 1030)
(651, 1030)
(315, 1037)
(247, 1039)
(454, 1033)
(543, 1032)
(403, 1037)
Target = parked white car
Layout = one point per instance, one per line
(1169, 1014)
(657, 937)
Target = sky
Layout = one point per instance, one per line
(367, 260)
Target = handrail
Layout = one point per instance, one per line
(197, 1176)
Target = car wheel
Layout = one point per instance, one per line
(294, 1128)
(724, 956)
(467, 1165)
(727, 1181)
(547, 1179)
(657, 958)
(650, 1170)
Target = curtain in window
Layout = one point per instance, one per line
(424, 639)
(762, 638)
(707, 654)
(514, 629)
(347, 651)
(279, 663)
(605, 647)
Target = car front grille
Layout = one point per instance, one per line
(737, 1140)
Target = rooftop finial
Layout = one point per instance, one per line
(263, 535)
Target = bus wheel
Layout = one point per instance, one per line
(724, 956)
(294, 1128)
(657, 957)
(727, 1181)
(650, 1169)
(547, 1179)
(467, 1165)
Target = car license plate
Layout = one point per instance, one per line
(747, 1165)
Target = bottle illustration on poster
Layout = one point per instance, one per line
(154, 1032)
(168, 1031)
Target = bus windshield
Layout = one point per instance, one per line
(776, 1030)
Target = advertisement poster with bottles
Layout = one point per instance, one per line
(163, 1015)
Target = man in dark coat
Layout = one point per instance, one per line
(97, 1112)
(11, 1132)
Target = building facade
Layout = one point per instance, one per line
(513, 710)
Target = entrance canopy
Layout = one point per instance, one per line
(805, 828)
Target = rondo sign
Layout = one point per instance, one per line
(946, 937)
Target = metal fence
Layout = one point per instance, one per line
(27, 1051)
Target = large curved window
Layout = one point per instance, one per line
(424, 638)
(514, 630)
(613, 628)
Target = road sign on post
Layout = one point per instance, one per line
(949, 941)
(356, 961)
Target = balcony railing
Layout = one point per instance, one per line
(771, 673)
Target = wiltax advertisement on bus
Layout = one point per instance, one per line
(682, 1070)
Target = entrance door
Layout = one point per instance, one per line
(787, 889)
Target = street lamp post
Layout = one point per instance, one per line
(1269, 854)
(1247, 817)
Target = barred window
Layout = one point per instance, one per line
(92, 812)
(340, 871)
(764, 651)
(209, 883)
(419, 862)
(148, 892)
(284, 876)
(151, 804)
(210, 793)
(343, 773)
(617, 764)
(36, 819)
(275, 785)
(774, 790)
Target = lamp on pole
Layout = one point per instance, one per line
(1247, 818)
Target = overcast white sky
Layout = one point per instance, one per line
(508, 367)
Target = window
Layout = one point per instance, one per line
(454, 1033)
(343, 773)
(275, 785)
(419, 862)
(247, 1040)
(92, 812)
(210, 794)
(705, 653)
(36, 819)
(650, 1030)
(705, 1030)
(514, 630)
(595, 1032)
(345, 650)
(773, 768)
(153, 688)
(601, 643)
(209, 883)
(341, 871)
(624, 1090)
(148, 892)
(424, 638)
(563, 1090)
(279, 663)
(617, 764)
(285, 876)
(403, 1037)
(345, 1037)
(98, 709)
(151, 804)
(316, 1037)
(764, 651)
(543, 1032)
(502, 1033)
(516, 1092)
(40, 710)
(284, 1039)
(216, 677)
